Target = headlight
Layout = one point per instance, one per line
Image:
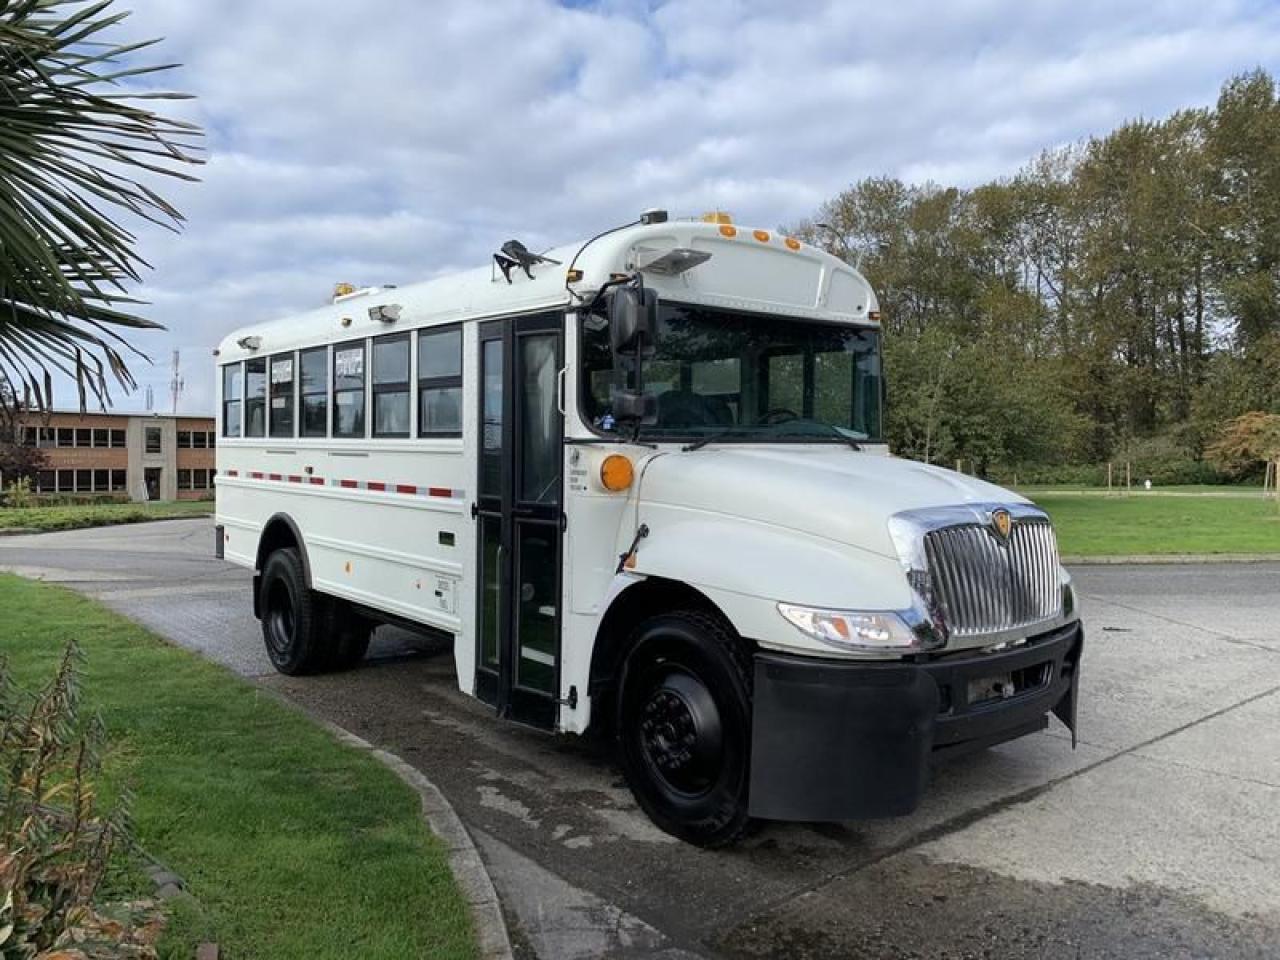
(865, 630)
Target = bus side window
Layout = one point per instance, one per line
(232, 380)
(391, 386)
(348, 390)
(440, 383)
(255, 397)
(314, 372)
(282, 396)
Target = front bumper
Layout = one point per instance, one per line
(845, 740)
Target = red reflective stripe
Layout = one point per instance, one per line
(294, 479)
(406, 488)
(274, 476)
(232, 473)
(255, 475)
(318, 480)
(439, 492)
(375, 485)
(349, 484)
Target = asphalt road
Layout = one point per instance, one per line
(1158, 837)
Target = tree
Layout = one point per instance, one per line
(78, 150)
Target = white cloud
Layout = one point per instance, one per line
(392, 139)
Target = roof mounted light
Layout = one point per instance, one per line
(388, 313)
(673, 262)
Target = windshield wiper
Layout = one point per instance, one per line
(833, 429)
(713, 437)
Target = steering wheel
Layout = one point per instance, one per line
(778, 415)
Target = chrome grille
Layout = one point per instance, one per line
(984, 584)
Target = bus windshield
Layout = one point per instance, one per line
(749, 376)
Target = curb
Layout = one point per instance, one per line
(1155, 559)
(492, 938)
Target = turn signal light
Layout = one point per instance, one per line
(792, 243)
(761, 235)
(616, 472)
(728, 230)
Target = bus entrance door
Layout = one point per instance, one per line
(519, 517)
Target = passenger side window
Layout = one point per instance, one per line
(282, 396)
(315, 392)
(255, 397)
(348, 390)
(440, 383)
(391, 386)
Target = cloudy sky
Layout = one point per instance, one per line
(385, 141)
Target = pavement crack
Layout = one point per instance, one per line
(969, 818)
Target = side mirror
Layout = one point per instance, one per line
(633, 320)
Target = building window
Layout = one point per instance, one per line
(84, 437)
(47, 481)
(391, 386)
(348, 390)
(84, 481)
(153, 440)
(118, 481)
(282, 396)
(440, 383)
(255, 397)
(102, 438)
(199, 439)
(213, 440)
(184, 479)
(232, 383)
(66, 481)
(101, 481)
(117, 438)
(29, 435)
(184, 439)
(66, 437)
(314, 372)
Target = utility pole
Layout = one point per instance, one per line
(176, 383)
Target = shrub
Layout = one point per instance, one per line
(1246, 443)
(19, 494)
(56, 840)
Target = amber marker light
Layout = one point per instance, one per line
(616, 472)
(761, 235)
(728, 230)
(792, 243)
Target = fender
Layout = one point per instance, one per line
(279, 531)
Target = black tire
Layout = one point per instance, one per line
(290, 616)
(683, 726)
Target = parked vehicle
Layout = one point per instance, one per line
(642, 482)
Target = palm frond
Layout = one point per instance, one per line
(77, 147)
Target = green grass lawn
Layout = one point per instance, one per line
(292, 844)
(1091, 526)
(44, 518)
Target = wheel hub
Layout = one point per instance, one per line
(680, 733)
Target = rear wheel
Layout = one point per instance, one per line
(684, 726)
(289, 616)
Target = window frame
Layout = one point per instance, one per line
(265, 399)
(237, 400)
(323, 393)
(404, 386)
(290, 396)
(422, 383)
(363, 390)
(147, 432)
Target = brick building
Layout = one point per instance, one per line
(134, 456)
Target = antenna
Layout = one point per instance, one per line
(151, 398)
(176, 382)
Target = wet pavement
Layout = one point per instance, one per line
(1159, 836)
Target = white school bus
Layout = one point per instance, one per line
(642, 483)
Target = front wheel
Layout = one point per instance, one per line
(684, 727)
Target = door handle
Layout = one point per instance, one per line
(560, 389)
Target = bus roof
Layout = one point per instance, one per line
(751, 270)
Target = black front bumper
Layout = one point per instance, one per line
(847, 740)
